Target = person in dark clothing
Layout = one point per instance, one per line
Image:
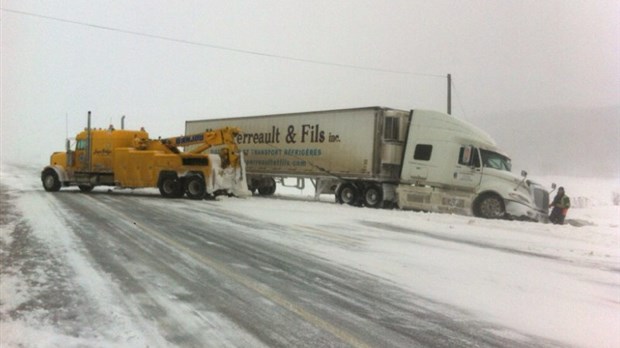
(560, 205)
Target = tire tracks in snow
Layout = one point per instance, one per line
(174, 264)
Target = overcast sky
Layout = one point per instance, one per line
(161, 63)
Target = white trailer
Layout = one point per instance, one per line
(383, 157)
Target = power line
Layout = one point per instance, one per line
(219, 47)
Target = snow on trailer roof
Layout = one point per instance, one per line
(299, 113)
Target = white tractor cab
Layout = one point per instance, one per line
(451, 166)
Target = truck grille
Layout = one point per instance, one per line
(541, 198)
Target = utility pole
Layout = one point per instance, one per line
(449, 94)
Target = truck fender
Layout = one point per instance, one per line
(60, 171)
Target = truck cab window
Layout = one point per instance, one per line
(465, 155)
(476, 160)
(81, 145)
(423, 152)
(468, 156)
(390, 128)
(495, 160)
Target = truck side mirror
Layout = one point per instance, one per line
(524, 175)
(553, 186)
(466, 155)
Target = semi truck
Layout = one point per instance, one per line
(385, 157)
(130, 159)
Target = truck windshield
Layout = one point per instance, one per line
(81, 144)
(495, 160)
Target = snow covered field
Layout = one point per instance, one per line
(569, 290)
(560, 283)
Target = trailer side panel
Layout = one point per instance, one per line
(346, 143)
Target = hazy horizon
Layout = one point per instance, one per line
(520, 69)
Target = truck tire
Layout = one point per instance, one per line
(86, 188)
(50, 180)
(373, 196)
(490, 206)
(348, 193)
(170, 187)
(269, 189)
(195, 187)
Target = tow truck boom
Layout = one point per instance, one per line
(206, 140)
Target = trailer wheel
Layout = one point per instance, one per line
(267, 190)
(348, 193)
(170, 187)
(373, 196)
(50, 180)
(490, 206)
(86, 188)
(195, 187)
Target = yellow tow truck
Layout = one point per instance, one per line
(130, 159)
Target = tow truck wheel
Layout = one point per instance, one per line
(195, 187)
(170, 187)
(347, 193)
(490, 206)
(51, 183)
(373, 196)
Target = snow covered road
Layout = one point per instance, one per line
(128, 268)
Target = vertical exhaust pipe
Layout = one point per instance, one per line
(88, 145)
(449, 94)
(69, 153)
(123, 122)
